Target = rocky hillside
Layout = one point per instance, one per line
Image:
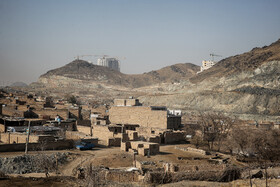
(245, 62)
(247, 86)
(82, 70)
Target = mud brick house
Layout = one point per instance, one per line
(130, 111)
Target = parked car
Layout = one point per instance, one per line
(85, 146)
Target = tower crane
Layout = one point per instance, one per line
(81, 56)
(213, 55)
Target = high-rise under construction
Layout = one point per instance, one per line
(112, 63)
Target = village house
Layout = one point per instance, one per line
(130, 111)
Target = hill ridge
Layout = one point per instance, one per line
(244, 62)
(83, 70)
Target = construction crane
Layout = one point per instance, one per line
(213, 55)
(81, 56)
(120, 57)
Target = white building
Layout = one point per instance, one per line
(206, 65)
(112, 63)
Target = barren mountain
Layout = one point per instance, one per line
(244, 62)
(82, 70)
(246, 85)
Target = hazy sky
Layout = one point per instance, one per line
(40, 35)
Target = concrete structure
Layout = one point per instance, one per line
(145, 116)
(206, 64)
(112, 63)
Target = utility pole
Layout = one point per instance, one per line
(27, 139)
(134, 158)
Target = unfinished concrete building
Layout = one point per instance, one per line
(112, 63)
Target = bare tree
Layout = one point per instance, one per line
(197, 141)
(215, 128)
(260, 145)
(266, 148)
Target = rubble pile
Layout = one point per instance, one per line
(32, 163)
